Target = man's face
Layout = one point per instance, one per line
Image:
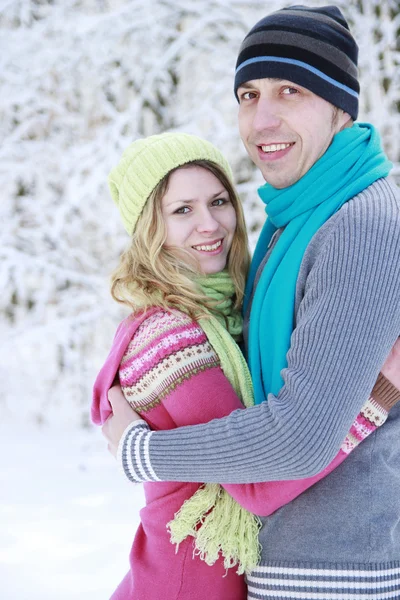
(285, 128)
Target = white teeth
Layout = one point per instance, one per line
(275, 147)
(209, 248)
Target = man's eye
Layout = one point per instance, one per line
(247, 96)
(289, 91)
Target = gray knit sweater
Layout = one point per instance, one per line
(341, 538)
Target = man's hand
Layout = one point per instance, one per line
(391, 368)
(119, 420)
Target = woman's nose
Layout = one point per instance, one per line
(207, 221)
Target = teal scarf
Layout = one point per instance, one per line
(353, 161)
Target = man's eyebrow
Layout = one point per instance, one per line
(246, 86)
(249, 86)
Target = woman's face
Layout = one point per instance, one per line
(199, 217)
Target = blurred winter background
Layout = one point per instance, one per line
(80, 79)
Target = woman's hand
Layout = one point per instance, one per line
(122, 416)
(391, 368)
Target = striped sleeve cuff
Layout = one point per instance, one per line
(133, 453)
(385, 392)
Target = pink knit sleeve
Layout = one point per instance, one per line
(171, 375)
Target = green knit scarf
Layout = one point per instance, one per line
(218, 524)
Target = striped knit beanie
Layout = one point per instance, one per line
(147, 161)
(312, 47)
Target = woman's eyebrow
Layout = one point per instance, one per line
(191, 200)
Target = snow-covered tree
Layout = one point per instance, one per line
(80, 80)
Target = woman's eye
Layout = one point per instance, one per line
(182, 210)
(219, 201)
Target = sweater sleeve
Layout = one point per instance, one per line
(348, 320)
(264, 498)
(172, 376)
(167, 364)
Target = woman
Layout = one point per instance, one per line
(183, 276)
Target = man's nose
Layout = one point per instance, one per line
(266, 115)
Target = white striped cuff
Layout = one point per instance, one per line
(133, 453)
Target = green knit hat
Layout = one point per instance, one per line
(147, 161)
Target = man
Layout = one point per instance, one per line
(322, 314)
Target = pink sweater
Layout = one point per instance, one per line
(171, 375)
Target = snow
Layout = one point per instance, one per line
(67, 515)
(80, 80)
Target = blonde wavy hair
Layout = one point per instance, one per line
(149, 274)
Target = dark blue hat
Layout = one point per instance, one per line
(312, 47)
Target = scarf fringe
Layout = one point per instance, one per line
(219, 526)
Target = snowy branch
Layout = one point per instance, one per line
(80, 80)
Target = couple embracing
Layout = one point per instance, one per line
(258, 401)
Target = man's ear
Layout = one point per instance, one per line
(344, 120)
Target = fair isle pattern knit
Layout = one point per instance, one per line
(372, 415)
(168, 349)
(284, 581)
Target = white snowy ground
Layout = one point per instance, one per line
(67, 516)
